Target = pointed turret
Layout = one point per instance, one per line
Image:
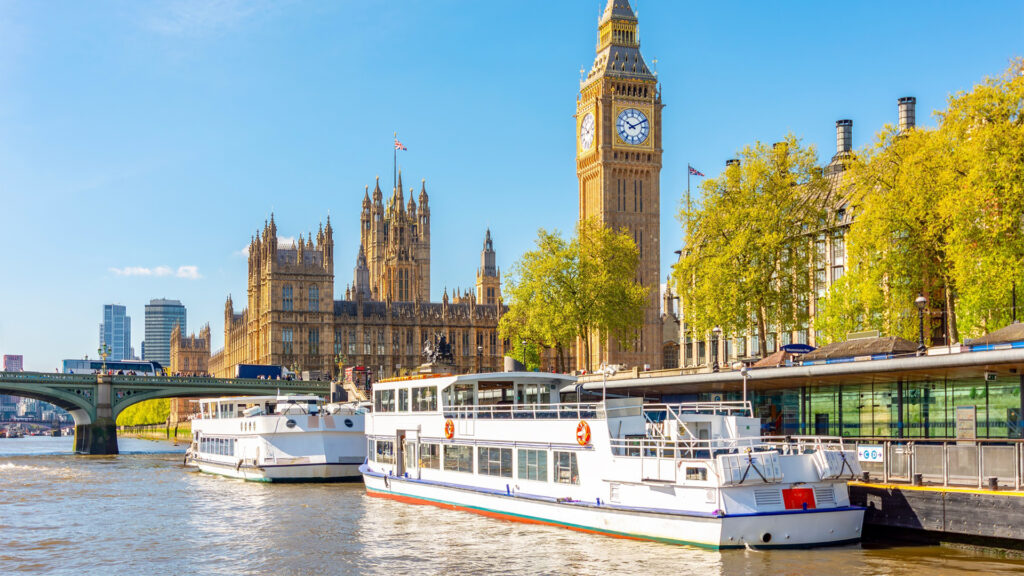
(411, 206)
(488, 278)
(423, 194)
(618, 46)
(366, 200)
(377, 195)
(361, 277)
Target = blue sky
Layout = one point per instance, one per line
(157, 136)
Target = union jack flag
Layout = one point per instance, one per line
(399, 145)
(694, 171)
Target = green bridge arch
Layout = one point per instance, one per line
(94, 402)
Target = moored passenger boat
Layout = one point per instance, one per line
(278, 438)
(504, 445)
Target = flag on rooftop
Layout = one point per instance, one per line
(694, 171)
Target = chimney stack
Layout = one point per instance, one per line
(907, 105)
(844, 136)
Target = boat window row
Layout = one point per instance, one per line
(529, 464)
(424, 399)
(217, 446)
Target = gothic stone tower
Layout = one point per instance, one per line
(488, 277)
(396, 241)
(618, 162)
(291, 300)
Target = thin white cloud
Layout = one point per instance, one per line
(187, 272)
(181, 18)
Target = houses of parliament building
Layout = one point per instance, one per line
(292, 319)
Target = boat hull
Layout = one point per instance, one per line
(798, 528)
(320, 472)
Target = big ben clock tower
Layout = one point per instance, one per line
(618, 162)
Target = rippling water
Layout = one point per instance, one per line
(142, 513)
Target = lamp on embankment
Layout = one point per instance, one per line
(920, 302)
(716, 332)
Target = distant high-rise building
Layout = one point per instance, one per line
(161, 318)
(13, 363)
(116, 332)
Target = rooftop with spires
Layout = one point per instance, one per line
(618, 46)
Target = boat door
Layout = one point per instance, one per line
(399, 452)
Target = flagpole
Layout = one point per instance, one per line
(688, 170)
(394, 168)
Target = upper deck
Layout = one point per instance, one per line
(246, 406)
(486, 393)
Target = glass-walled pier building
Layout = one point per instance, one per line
(886, 395)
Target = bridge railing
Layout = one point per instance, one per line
(48, 377)
(124, 379)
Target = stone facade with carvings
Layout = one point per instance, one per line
(293, 320)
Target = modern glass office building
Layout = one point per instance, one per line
(116, 332)
(161, 318)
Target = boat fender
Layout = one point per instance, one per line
(387, 483)
(238, 465)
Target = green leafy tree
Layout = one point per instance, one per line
(564, 290)
(145, 412)
(941, 213)
(748, 259)
(897, 243)
(984, 134)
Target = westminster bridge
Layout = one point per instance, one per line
(95, 401)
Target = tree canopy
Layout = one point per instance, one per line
(747, 256)
(565, 289)
(939, 212)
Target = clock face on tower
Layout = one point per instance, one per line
(587, 132)
(632, 126)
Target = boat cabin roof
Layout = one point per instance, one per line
(260, 399)
(447, 381)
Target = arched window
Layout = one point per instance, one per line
(314, 298)
(286, 297)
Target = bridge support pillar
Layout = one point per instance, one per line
(100, 435)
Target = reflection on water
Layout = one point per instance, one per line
(144, 514)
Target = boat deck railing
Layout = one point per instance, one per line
(732, 408)
(708, 449)
(560, 411)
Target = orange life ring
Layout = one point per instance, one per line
(583, 433)
(449, 429)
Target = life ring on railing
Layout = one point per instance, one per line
(583, 433)
(449, 429)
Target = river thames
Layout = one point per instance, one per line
(142, 512)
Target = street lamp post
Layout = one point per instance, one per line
(714, 348)
(920, 302)
(104, 351)
(339, 361)
(524, 353)
(479, 358)
(605, 371)
(744, 371)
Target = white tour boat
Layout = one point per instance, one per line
(503, 445)
(278, 438)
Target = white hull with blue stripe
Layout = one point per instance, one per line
(278, 439)
(502, 445)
